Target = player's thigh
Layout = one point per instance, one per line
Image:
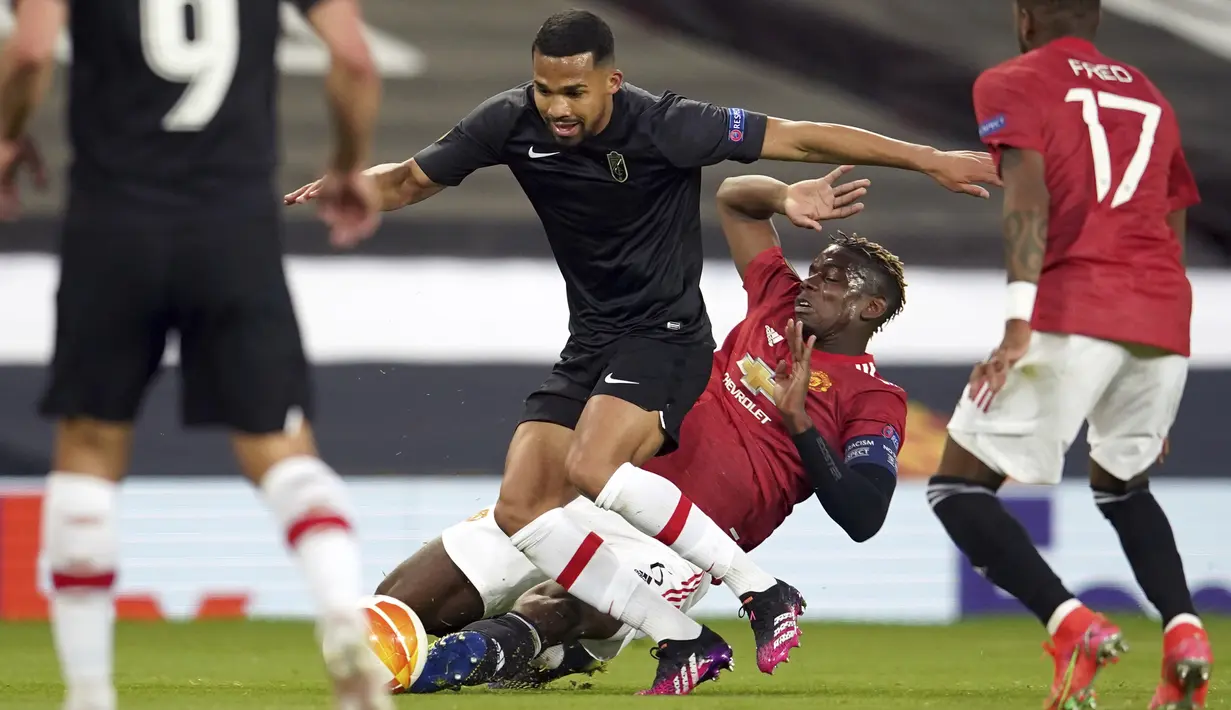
(241, 352)
(1024, 431)
(493, 566)
(535, 480)
(638, 406)
(432, 584)
(1130, 421)
(111, 318)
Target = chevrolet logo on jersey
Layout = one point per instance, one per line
(758, 377)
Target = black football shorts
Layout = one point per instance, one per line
(656, 375)
(216, 281)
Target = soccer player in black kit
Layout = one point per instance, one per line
(614, 173)
(173, 224)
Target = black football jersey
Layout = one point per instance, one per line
(172, 102)
(621, 209)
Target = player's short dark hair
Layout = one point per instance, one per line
(573, 32)
(890, 279)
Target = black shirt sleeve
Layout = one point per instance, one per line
(477, 141)
(694, 134)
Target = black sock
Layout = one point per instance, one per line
(576, 658)
(996, 543)
(1145, 534)
(515, 641)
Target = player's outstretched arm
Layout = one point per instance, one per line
(398, 184)
(805, 141)
(476, 142)
(746, 204)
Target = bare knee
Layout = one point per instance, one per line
(957, 462)
(93, 448)
(1103, 480)
(257, 453)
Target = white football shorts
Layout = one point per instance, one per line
(1128, 395)
(502, 574)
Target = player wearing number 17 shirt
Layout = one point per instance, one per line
(614, 173)
(172, 224)
(1097, 329)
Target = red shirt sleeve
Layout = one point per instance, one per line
(875, 428)
(1007, 116)
(1182, 187)
(768, 277)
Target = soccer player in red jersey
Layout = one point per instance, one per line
(794, 407)
(1097, 329)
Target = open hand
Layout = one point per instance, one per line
(960, 170)
(988, 377)
(791, 379)
(304, 194)
(810, 201)
(350, 205)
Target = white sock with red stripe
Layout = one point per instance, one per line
(80, 543)
(588, 569)
(309, 500)
(656, 507)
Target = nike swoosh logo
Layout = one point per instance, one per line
(613, 381)
(533, 154)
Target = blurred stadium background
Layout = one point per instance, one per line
(428, 337)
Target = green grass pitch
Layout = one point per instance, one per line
(980, 665)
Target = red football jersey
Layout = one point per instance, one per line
(1115, 170)
(736, 461)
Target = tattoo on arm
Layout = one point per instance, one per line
(1025, 240)
(1025, 227)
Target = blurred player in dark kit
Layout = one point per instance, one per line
(1097, 329)
(172, 224)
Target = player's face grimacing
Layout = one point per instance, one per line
(837, 293)
(573, 95)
